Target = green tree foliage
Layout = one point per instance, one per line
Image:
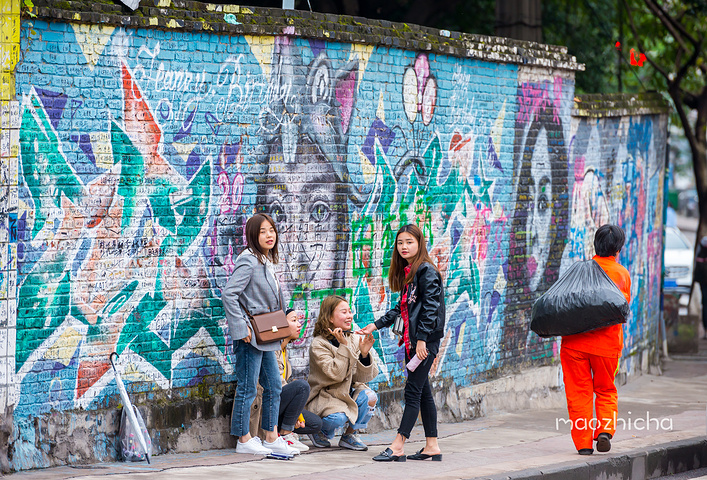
(672, 36)
(588, 29)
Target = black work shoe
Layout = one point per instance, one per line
(603, 442)
(585, 451)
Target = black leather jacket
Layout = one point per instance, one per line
(426, 311)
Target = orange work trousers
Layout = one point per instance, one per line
(586, 375)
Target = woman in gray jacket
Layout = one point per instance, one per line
(254, 286)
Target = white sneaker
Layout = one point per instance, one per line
(253, 446)
(292, 440)
(280, 446)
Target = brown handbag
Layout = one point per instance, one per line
(269, 327)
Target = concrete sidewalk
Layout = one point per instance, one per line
(530, 444)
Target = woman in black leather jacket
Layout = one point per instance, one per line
(421, 307)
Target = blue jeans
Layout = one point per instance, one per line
(335, 420)
(253, 365)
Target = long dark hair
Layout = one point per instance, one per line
(326, 312)
(396, 274)
(252, 237)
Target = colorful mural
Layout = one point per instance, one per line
(141, 161)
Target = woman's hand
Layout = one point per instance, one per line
(299, 424)
(421, 350)
(368, 329)
(246, 339)
(339, 335)
(365, 344)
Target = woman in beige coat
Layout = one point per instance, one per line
(339, 364)
(293, 420)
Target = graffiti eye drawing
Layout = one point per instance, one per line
(320, 86)
(320, 212)
(277, 212)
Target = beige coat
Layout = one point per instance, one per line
(334, 372)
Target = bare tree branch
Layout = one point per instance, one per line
(670, 23)
(678, 59)
(678, 102)
(701, 122)
(690, 62)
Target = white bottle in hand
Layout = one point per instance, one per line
(414, 363)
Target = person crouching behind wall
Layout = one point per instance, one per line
(339, 364)
(254, 285)
(423, 312)
(590, 360)
(293, 419)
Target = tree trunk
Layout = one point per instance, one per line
(698, 145)
(697, 139)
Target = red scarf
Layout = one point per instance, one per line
(404, 314)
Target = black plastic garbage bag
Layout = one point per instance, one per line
(584, 299)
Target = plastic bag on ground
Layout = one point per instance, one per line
(584, 299)
(130, 448)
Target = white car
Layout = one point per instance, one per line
(679, 257)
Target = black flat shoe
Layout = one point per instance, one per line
(585, 451)
(387, 456)
(423, 456)
(603, 442)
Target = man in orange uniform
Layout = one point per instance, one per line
(590, 360)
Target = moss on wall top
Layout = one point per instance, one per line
(193, 16)
(620, 104)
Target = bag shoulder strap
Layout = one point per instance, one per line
(247, 312)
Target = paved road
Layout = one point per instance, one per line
(672, 405)
(700, 474)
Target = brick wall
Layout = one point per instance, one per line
(143, 151)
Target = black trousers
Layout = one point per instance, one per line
(292, 400)
(419, 400)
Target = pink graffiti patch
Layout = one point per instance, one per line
(535, 99)
(422, 71)
(579, 169)
(345, 91)
(419, 91)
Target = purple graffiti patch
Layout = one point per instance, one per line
(193, 164)
(385, 136)
(493, 156)
(53, 103)
(213, 122)
(185, 129)
(317, 46)
(84, 141)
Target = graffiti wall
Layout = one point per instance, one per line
(618, 168)
(143, 152)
